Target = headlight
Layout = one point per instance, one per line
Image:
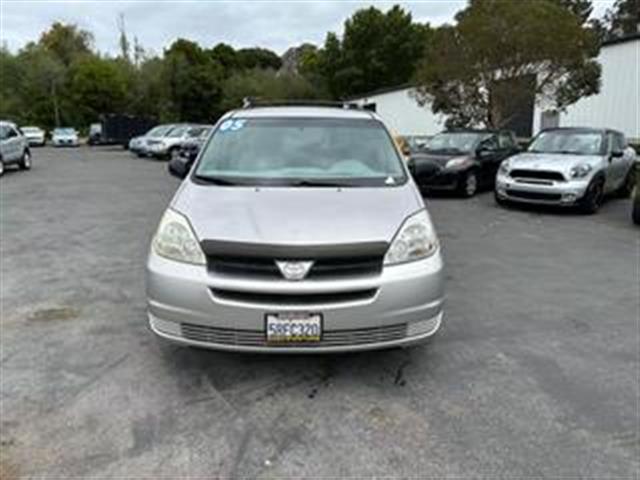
(580, 171)
(415, 240)
(458, 162)
(175, 239)
(505, 166)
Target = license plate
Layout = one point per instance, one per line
(293, 327)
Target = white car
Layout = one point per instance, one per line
(65, 137)
(35, 136)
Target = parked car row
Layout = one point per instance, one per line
(576, 167)
(170, 141)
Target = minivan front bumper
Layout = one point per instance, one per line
(402, 306)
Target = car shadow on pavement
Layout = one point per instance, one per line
(266, 375)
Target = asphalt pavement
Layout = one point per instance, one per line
(535, 373)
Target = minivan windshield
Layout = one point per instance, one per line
(572, 142)
(454, 142)
(301, 152)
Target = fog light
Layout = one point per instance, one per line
(569, 197)
(422, 327)
(166, 326)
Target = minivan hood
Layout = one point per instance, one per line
(296, 216)
(557, 162)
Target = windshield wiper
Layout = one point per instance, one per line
(315, 183)
(216, 180)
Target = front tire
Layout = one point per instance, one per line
(592, 200)
(25, 161)
(627, 187)
(469, 184)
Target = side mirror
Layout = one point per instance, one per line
(617, 154)
(180, 166)
(483, 152)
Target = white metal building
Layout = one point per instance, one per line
(617, 105)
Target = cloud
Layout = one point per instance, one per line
(156, 24)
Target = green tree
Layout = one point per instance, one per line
(226, 56)
(377, 50)
(97, 86)
(265, 85)
(623, 18)
(66, 42)
(258, 58)
(194, 81)
(502, 52)
(42, 87)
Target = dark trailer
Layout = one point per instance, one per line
(119, 129)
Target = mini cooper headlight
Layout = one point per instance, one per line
(581, 171)
(415, 240)
(175, 240)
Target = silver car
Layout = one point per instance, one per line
(168, 145)
(138, 145)
(568, 167)
(14, 147)
(297, 229)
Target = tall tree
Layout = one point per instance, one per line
(123, 40)
(66, 42)
(475, 71)
(377, 50)
(97, 86)
(194, 81)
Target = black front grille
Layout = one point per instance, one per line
(537, 174)
(256, 338)
(289, 299)
(550, 197)
(322, 268)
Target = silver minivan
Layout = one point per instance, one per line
(297, 229)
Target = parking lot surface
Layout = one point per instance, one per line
(535, 372)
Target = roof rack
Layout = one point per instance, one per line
(252, 102)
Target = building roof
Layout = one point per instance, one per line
(627, 38)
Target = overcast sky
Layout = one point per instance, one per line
(274, 25)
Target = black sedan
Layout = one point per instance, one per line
(462, 161)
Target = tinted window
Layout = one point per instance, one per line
(506, 141)
(283, 151)
(454, 142)
(619, 142)
(177, 132)
(490, 143)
